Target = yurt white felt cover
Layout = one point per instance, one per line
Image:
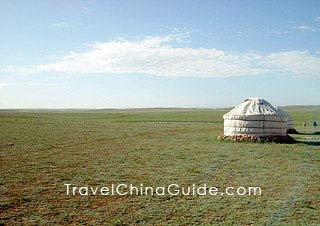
(255, 117)
(290, 120)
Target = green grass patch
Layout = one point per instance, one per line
(42, 150)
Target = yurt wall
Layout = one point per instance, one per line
(255, 117)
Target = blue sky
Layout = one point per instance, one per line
(128, 54)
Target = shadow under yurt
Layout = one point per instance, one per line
(256, 120)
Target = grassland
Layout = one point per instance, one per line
(42, 150)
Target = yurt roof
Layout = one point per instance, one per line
(286, 114)
(254, 106)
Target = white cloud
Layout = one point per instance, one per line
(302, 27)
(20, 69)
(4, 84)
(46, 84)
(164, 56)
(294, 62)
(61, 24)
(65, 24)
(317, 19)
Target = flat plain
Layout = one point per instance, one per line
(41, 150)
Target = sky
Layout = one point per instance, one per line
(167, 53)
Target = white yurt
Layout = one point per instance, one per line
(255, 117)
(290, 120)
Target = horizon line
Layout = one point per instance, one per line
(146, 108)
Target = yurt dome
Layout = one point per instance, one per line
(255, 117)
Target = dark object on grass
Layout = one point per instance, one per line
(292, 131)
(277, 139)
